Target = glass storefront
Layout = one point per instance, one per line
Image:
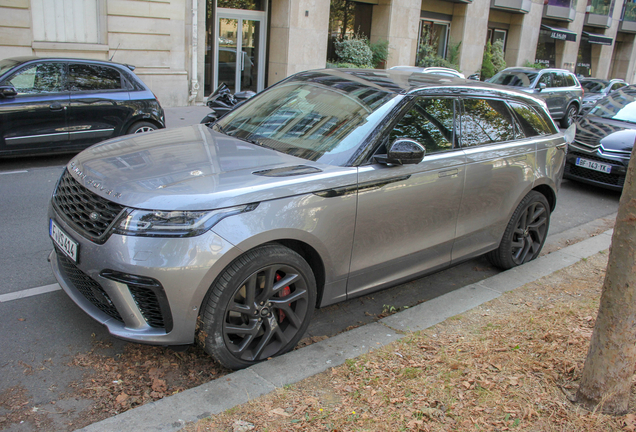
(434, 36)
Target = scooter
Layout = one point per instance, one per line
(222, 101)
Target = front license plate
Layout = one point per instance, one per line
(69, 246)
(593, 165)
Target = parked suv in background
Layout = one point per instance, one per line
(50, 105)
(596, 89)
(559, 88)
(329, 185)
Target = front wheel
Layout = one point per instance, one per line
(259, 307)
(525, 234)
(570, 116)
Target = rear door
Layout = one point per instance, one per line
(35, 119)
(99, 103)
(499, 170)
(407, 214)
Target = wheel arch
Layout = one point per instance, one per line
(549, 194)
(140, 118)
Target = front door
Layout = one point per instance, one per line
(239, 62)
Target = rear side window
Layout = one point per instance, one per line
(429, 122)
(530, 122)
(85, 77)
(569, 79)
(485, 121)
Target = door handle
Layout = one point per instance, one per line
(56, 106)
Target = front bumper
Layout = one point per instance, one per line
(613, 180)
(142, 289)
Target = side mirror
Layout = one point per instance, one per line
(7, 91)
(542, 86)
(403, 151)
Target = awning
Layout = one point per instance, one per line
(560, 33)
(597, 38)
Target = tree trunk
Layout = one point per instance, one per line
(606, 381)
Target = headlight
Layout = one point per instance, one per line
(156, 223)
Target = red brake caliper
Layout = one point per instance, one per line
(282, 293)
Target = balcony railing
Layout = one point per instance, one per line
(514, 6)
(599, 13)
(628, 20)
(562, 10)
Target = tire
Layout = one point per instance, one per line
(259, 307)
(570, 116)
(525, 234)
(141, 127)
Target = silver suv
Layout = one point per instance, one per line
(330, 185)
(559, 88)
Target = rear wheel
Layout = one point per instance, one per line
(570, 116)
(141, 127)
(525, 234)
(259, 307)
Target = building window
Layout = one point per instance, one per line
(433, 40)
(546, 49)
(584, 59)
(495, 35)
(73, 21)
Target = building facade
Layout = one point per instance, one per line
(184, 48)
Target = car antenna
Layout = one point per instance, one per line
(111, 57)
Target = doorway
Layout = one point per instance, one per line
(237, 38)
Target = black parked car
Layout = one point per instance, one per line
(604, 141)
(52, 105)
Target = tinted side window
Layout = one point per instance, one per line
(84, 77)
(546, 79)
(558, 80)
(40, 78)
(616, 86)
(486, 121)
(530, 123)
(429, 122)
(570, 80)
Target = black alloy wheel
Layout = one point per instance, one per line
(525, 234)
(260, 307)
(570, 116)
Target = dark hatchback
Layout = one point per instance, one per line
(52, 105)
(604, 141)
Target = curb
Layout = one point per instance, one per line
(172, 413)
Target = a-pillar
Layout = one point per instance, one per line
(398, 22)
(298, 37)
(470, 26)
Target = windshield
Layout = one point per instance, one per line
(514, 78)
(7, 64)
(318, 117)
(593, 86)
(620, 105)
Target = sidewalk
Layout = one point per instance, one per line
(172, 413)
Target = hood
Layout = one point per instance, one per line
(196, 168)
(614, 135)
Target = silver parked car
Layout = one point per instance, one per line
(559, 88)
(596, 89)
(329, 185)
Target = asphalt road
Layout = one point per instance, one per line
(40, 333)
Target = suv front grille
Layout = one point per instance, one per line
(90, 289)
(89, 213)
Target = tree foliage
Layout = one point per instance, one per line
(428, 53)
(354, 50)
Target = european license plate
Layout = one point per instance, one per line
(69, 246)
(593, 165)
